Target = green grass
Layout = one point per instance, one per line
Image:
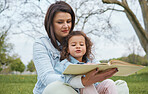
(17, 84)
(137, 83)
(24, 84)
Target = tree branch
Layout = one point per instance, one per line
(112, 2)
(5, 7)
(142, 34)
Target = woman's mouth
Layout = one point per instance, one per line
(65, 31)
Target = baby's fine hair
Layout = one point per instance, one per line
(64, 52)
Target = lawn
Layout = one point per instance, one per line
(17, 84)
(23, 84)
(137, 83)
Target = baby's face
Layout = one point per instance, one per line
(77, 47)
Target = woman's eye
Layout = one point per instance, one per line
(69, 21)
(59, 22)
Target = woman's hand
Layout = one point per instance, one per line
(96, 76)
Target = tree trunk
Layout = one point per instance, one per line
(144, 9)
(140, 31)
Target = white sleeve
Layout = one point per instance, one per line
(76, 82)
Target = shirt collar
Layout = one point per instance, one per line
(74, 61)
(58, 43)
(60, 46)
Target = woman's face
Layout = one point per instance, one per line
(62, 23)
(77, 47)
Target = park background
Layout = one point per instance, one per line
(110, 30)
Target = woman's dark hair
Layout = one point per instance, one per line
(64, 52)
(59, 6)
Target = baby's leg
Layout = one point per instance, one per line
(88, 90)
(122, 87)
(107, 87)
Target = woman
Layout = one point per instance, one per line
(59, 22)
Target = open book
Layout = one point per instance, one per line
(124, 68)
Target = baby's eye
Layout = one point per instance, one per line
(82, 44)
(73, 45)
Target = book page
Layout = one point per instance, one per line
(124, 70)
(119, 62)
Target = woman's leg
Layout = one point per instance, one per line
(107, 87)
(122, 87)
(88, 90)
(58, 87)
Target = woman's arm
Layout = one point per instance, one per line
(42, 60)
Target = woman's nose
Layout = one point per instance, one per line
(65, 25)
